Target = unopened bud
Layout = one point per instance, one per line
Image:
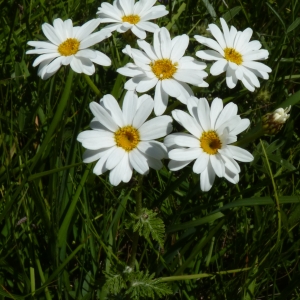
(273, 122)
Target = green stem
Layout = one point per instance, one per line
(92, 85)
(138, 212)
(202, 275)
(56, 120)
(275, 193)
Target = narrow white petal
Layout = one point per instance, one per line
(231, 79)
(146, 84)
(241, 126)
(207, 178)
(218, 35)
(187, 140)
(204, 114)
(95, 38)
(148, 26)
(165, 42)
(160, 99)
(148, 49)
(129, 107)
(43, 57)
(215, 110)
(175, 165)
(210, 43)
(156, 44)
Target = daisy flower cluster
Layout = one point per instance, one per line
(125, 139)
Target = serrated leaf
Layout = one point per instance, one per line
(148, 223)
(143, 285)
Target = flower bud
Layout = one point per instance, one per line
(273, 122)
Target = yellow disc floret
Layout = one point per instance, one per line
(163, 68)
(132, 19)
(210, 142)
(127, 137)
(69, 47)
(233, 56)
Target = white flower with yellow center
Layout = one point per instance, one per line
(212, 130)
(121, 140)
(69, 45)
(235, 55)
(164, 67)
(126, 14)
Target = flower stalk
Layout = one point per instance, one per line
(138, 212)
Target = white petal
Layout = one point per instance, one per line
(187, 122)
(143, 112)
(86, 29)
(129, 107)
(183, 154)
(204, 114)
(179, 46)
(101, 59)
(140, 33)
(138, 161)
(153, 149)
(156, 128)
(51, 35)
(219, 67)
(201, 163)
(115, 158)
(215, 110)
(146, 84)
(217, 164)
(148, 26)
(160, 99)
(228, 112)
(103, 116)
(165, 42)
(240, 154)
(95, 38)
(175, 165)
(207, 178)
(187, 140)
(93, 140)
(111, 105)
(209, 55)
(100, 165)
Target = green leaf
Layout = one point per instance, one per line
(293, 26)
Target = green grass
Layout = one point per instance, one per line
(229, 243)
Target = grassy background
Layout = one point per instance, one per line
(61, 226)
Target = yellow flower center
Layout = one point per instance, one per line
(127, 137)
(210, 142)
(69, 47)
(132, 19)
(233, 56)
(163, 68)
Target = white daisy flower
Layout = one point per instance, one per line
(68, 45)
(234, 54)
(126, 14)
(121, 140)
(211, 132)
(164, 67)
